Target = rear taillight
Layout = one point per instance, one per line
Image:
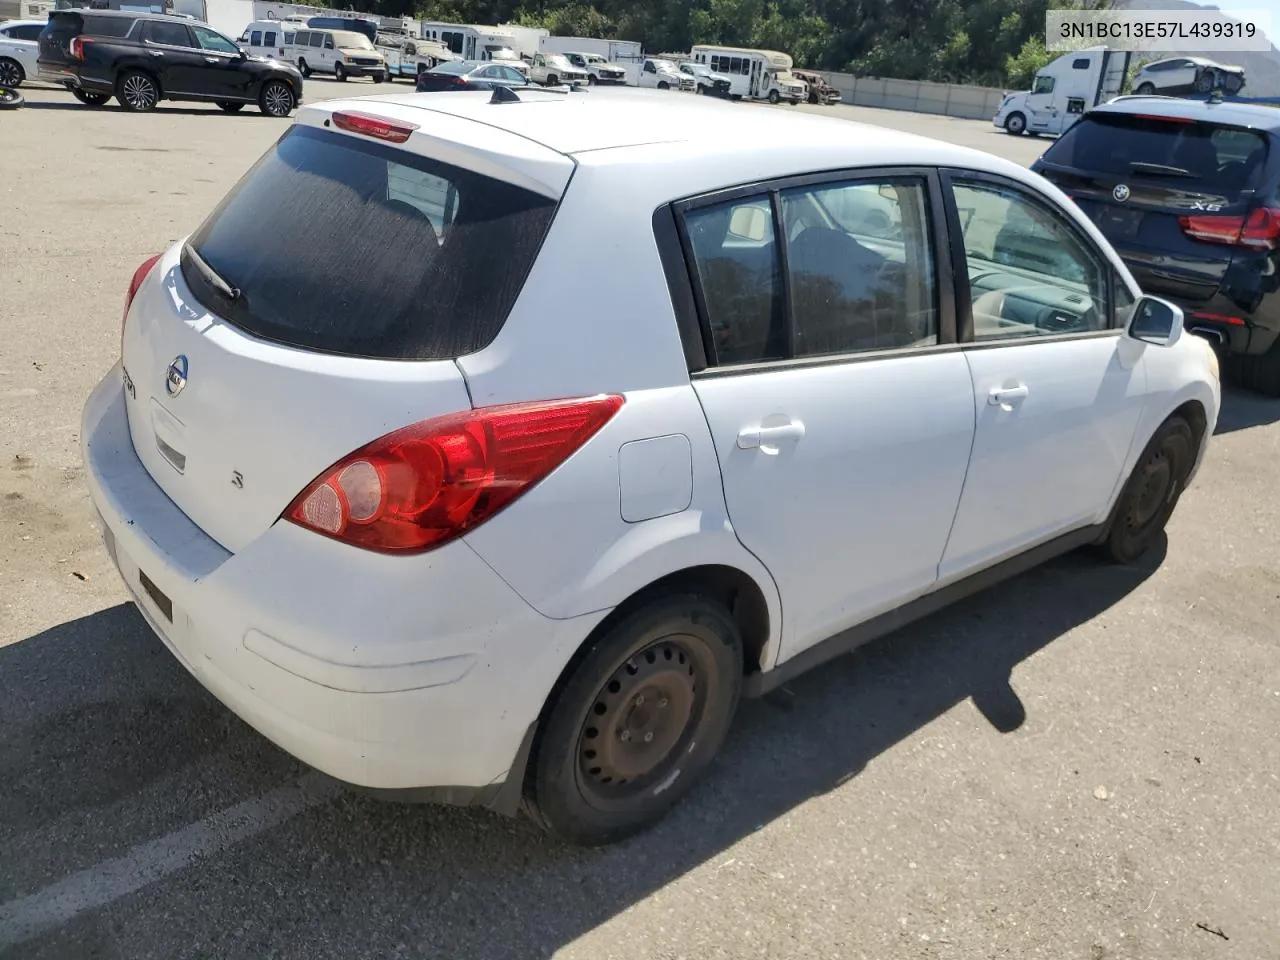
(139, 276)
(424, 485)
(77, 47)
(1260, 230)
(377, 127)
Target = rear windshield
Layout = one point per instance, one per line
(1199, 156)
(86, 24)
(341, 245)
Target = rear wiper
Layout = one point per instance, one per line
(1159, 169)
(211, 276)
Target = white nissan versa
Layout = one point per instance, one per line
(424, 528)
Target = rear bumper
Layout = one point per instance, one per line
(386, 672)
(1231, 329)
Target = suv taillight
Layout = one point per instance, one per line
(1260, 230)
(139, 276)
(76, 47)
(421, 486)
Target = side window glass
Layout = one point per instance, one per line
(317, 40)
(860, 265)
(1043, 85)
(328, 41)
(735, 253)
(168, 34)
(255, 38)
(288, 39)
(209, 40)
(1030, 273)
(269, 38)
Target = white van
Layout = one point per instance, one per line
(754, 74)
(344, 53)
(268, 38)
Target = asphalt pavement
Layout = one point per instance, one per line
(1080, 763)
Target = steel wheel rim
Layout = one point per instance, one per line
(641, 722)
(279, 101)
(9, 76)
(140, 92)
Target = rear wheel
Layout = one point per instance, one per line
(1015, 124)
(277, 99)
(90, 99)
(137, 92)
(1204, 81)
(11, 73)
(1148, 499)
(1261, 374)
(304, 69)
(639, 719)
(229, 107)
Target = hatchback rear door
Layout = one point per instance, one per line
(1165, 192)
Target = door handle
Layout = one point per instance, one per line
(1003, 396)
(210, 59)
(751, 438)
(157, 53)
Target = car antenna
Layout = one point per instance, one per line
(504, 95)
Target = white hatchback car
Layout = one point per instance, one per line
(424, 528)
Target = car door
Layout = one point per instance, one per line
(223, 73)
(1040, 103)
(172, 51)
(1057, 389)
(329, 54)
(1181, 74)
(840, 408)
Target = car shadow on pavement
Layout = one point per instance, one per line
(103, 727)
(164, 108)
(1242, 409)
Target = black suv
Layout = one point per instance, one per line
(142, 59)
(1188, 193)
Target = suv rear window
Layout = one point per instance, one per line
(1200, 156)
(87, 24)
(345, 246)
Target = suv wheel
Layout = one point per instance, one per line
(138, 92)
(11, 74)
(638, 720)
(1148, 499)
(90, 99)
(1261, 374)
(1015, 124)
(304, 69)
(277, 99)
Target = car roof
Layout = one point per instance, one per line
(1250, 115)
(125, 15)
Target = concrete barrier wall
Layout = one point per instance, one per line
(946, 99)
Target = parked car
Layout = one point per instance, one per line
(552, 581)
(344, 53)
(1176, 75)
(554, 69)
(707, 82)
(470, 75)
(820, 90)
(599, 70)
(1189, 195)
(19, 51)
(143, 58)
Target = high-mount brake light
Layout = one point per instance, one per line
(380, 128)
(1156, 116)
(426, 484)
(139, 276)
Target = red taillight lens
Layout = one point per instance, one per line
(1259, 230)
(77, 47)
(424, 485)
(371, 126)
(139, 276)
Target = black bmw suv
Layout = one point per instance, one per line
(143, 58)
(1188, 193)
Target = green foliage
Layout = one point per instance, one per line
(991, 42)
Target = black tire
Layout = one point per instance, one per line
(1261, 374)
(1145, 89)
(680, 652)
(663, 85)
(137, 92)
(11, 99)
(1015, 124)
(229, 107)
(1151, 493)
(774, 96)
(591, 79)
(1205, 80)
(339, 73)
(11, 73)
(1232, 83)
(277, 99)
(552, 79)
(90, 99)
(304, 69)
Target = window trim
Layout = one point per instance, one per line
(960, 260)
(771, 189)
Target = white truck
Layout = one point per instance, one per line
(661, 74)
(1063, 90)
(552, 69)
(409, 56)
(599, 70)
(622, 52)
(754, 74)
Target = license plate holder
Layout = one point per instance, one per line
(157, 596)
(1119, 223)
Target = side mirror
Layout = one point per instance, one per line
(1157, 322)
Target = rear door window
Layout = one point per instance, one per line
(431, 287)
(1203, 157)
(166, 34)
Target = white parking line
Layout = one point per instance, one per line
(55, 905)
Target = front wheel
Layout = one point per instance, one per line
(1148, 499)
(137, 92)
(1204, 81)
(90, 99)
(638, 721)
(277, 99)
(228, 107)
(1015, 125)
(1145, 89)
(11, 73)
(339, 72)
(663, 85)
(774, 96)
